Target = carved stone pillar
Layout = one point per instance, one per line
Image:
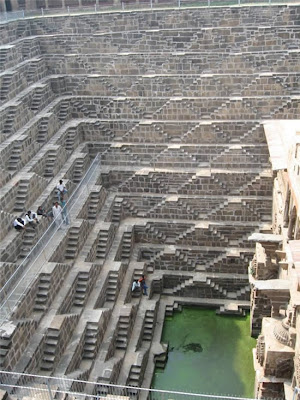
(291, 226)
(286, 209)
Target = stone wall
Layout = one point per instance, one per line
(174, 103)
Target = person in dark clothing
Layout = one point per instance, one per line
(144, 287)
(19, 224)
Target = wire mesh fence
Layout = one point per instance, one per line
(49, 388)
(15, 288)
(130, 5)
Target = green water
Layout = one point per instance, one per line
(208, 353)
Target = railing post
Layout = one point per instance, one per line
(208, 3)
(123, 5)
(42, 12)
(6, 17)
(23, 13)
(69, 10)
(178, 3)
(296, 391)
(95, 7)
(49, 389)
(151, 4)
(239, 2)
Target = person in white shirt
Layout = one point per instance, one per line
(57, 214)
(135, 285)
(29, 219)
(60, 189)
(19, 224)
(32, 216)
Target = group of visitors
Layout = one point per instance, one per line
(58, 212)
(60, 215)
(30, 218)
(140, 284)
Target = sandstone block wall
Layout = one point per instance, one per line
(174, 103)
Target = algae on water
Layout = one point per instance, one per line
(208, 353)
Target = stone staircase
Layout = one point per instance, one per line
(171, 308)
(137, 371)
(21, 198)
(36, 99)
(116, 211)
(134, 376)
(102, 249)
(72, 243)
(286, 103)
(29, 239)
(50, 163)
(243, 293)
(79, 169)
(262, 177)
(32, 69)
(3, 54)
(41, 300)
(9, 122)
(18, 337)
(93, 205)
(217, 288)
(43, 130)
(71, 135)
(152, 231)
(188, 233)
(122, 329)
(151, 264)
(81, 288)
(5, 86)
(50, 346)
(127, 243)
(15, 156)
(48, 286)
(91, 341)
(231, 309)
(56, 339)
(149, 325)
(112, 287)
(216, 260)
(63, 111)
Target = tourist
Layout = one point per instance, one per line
(63, 204)
(57, 214)
(60, 189)
(19, 224)
(33, 215)
(142, 282)
(41, 211)
(29, 219)
(135, 285)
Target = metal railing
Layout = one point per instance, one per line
(49, 388)
(8, 293)
(40, 387)
(127, 5)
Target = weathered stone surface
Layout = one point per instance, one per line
(175, 108)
